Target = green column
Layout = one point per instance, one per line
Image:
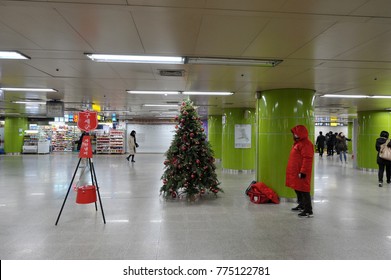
(13, 134)
(370, 124)
(350, 136)
(238, 129)
(215, 130)
(278, 112)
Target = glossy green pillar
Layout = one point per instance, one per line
(215, 130)
(278, 111)
(350, 136)
(13, 134)
(238, 128)
(370, 124)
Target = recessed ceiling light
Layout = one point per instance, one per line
(207, 93)
(344, 96)
(28, 89)
(380, 96)
(232, 61)
(152, 92)
(30, 102)
(12, 55)
(136, 58)
(160, 105)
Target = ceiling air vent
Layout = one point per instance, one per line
(171, 73)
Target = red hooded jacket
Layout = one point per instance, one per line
(300, 161)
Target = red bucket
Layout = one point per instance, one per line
(86, 194)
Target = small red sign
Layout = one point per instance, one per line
(86, 147)
(87, 121)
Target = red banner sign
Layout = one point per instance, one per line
(87, 121)
(86, 147)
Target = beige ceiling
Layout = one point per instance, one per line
(333, 46)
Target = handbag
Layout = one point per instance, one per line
(385, 151)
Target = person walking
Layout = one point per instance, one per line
(320, 141)
(341, 146)
(330, 143)
(299, 170)
(383, 163)
(132, 145)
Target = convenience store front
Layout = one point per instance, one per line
(35, 136)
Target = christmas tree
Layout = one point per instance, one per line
(189, 166)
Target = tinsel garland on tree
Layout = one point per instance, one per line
(189, 168)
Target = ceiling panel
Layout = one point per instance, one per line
(336, 46)
(43, 26)
(329, 7)
(105, 29)
(375, 8)
(246, 5)
(339, 39)
(167, 31)
(283, 36)
(226, 35)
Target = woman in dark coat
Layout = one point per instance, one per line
(383, 163)
(299, 170)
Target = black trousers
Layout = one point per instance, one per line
(330, 150)
(380, 174)
(304, 200)
(320, 149)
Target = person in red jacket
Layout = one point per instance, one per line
(299, 170)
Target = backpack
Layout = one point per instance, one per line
(259, 193)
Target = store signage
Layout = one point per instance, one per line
(86, 147)
(87, 121)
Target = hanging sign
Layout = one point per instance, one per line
(86, 147)
(87, 121)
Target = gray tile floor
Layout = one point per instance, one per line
(352, 215)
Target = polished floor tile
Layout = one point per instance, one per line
(352, 215)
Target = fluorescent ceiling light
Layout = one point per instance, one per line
(356, 96)
(136, 58)
(160, 105)
(152, 92)
(28, 89)
(380, 96)
(12, 55)
(207, 93)
(344, 96)
(30, 102)
(232, 61)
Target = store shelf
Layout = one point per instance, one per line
(111, 143)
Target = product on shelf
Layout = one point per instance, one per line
(30, 142)
(111, 142)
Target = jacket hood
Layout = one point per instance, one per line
(301, 131)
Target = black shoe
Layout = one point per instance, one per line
(127, 159)
(297, 208)
(388, 181)
(380, 184)
(306, 214)
(133, 160)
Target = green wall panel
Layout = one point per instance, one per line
(238, 158)
(215, 131)
(13, 134)
(278, 111)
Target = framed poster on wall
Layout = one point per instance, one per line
(243, 136)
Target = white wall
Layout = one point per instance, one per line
(152, 138)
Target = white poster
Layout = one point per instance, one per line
(243, 136)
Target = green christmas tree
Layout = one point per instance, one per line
(189, 166)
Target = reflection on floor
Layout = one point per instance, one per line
(352, 215)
